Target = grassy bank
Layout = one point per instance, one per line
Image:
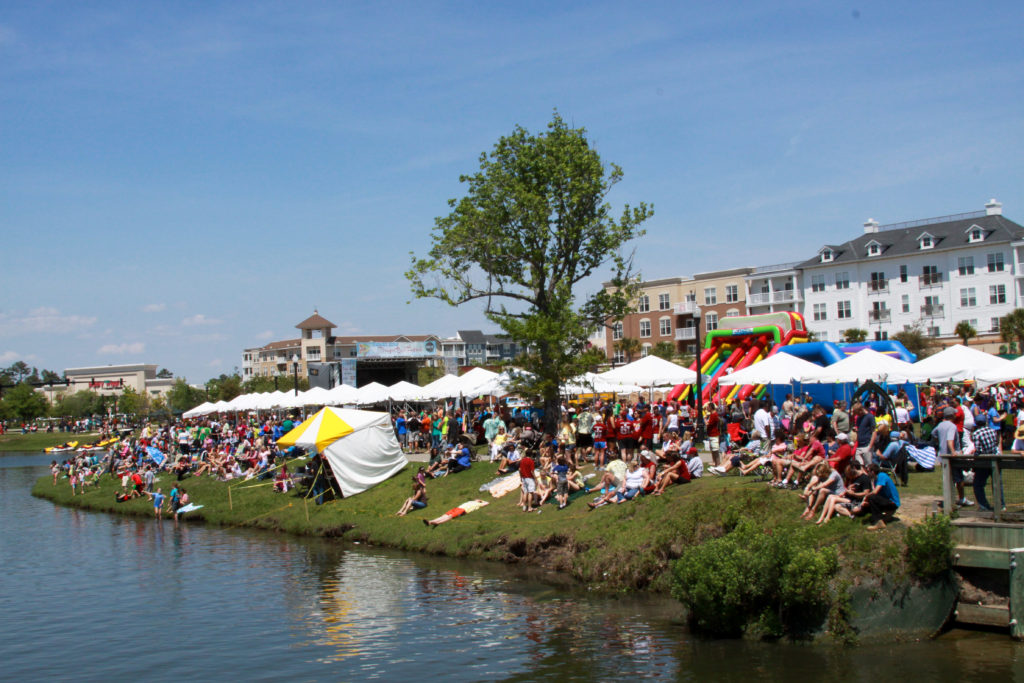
(619, 547)
(33, 442)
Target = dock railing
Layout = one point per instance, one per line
(1004, 488)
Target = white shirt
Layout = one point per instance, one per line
(762, 423)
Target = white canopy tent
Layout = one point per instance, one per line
(359, 445)
(593, 383)
(221, 407)
(862, 366)
(782, 368)
(445, 386)
(958, 363)
(472, 381)
(650, 371)
(343, 394)
(404, 391)
(1011, 371)
(372, 393)
(202, 409)
(317, 396)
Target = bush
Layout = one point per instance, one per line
(768, 582)
(930, 547)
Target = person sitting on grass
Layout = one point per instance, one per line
(841, 456)
(418, 499)
(283, 480)
(858, 486)
(636, 480)
(464, 509)
(545, 487)
(825, 482)
(882, 501)
(804, 460)
(676, 471)
(509, 459)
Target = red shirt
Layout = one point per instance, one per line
(712, 424)
(526, 468)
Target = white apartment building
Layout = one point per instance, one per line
(936, 272)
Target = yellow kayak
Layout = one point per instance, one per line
(62, 448)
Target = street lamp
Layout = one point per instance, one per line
(699, 427)
(295, 372)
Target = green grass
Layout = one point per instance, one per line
(34, 442)
(618, 547)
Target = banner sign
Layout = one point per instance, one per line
(396, 349)
(348, 371)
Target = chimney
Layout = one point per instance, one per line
(870, 226)
(993, 208)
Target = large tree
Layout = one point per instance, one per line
(24, 403)
(182, 396)
(535, 224)
(965, 331)
(1011, 327)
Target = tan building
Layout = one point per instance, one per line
(319, 355)
(111, 380)
(666, 310)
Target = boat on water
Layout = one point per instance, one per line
(62, 448)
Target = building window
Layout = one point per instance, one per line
(878, 283)
(732, 313)
(645, 328)
(881, 335)
(995, 262)
(843, 280)
(817, 283)
(711, 319)
(827, 255)
(994, 326)
(905, 303)
(965, 265)
(968, 298)
(732, 294)
(645, 350)
(665, 327)
(926, 242)
(903, 273)
(933, 331)
(997, 294)
(976, 235)
(644, 304)
(844, 310)
(617, 331)
(710, 296)
(821, 336)
(930, 276)
(691, 348)
(618, 356)
(819, 312)
(874, 249)
(663, 302)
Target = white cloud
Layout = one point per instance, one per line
(43, 320)
(11, 356)
(199, 319)
(121, 349)
(214, 363)
(154, 308)
(266, 334)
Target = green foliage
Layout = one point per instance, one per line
(854, 335)
(930, 547)
(965, 331)
(664, 349)
(768, 581)
(23, 403)
(917, 342)
(182, 396)
(165, 374)
(533, 225)
(130, 402)
(79, 404)
(227, 387)
(1011, 328)
(426, 375)
(630, 348)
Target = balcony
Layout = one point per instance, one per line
(879, 315)
(686, 333)
(878, 287)
(933, 311)
(786, 296)
(760, 299)
(928, 281)
(685, 308)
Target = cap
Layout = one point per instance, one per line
(692, 451)
(842, 436)
(948, 412)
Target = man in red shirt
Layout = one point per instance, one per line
(529, 484)
(843, 454)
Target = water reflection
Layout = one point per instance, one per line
(213, 603)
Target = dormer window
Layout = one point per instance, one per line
(827, 255)
(925, 241)
(975, 234)
(874, 248)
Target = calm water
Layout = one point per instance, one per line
(94, 597)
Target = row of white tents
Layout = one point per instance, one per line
(954, 364)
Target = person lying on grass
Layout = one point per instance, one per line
(464, 509)
(825, 482)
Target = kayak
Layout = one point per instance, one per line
(62, 448)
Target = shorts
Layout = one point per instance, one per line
(713, 443)
(455, 512)
(562, 488)
(735, 460)
(627, 444)
(584, 440)
(419, 505)
(600, 445)
(529, 485)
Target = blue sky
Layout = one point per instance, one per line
(182, 180)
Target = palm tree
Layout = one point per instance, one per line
(1011, 327)
(664, 349)
(629, 347)
(854, 335)
(965, 331)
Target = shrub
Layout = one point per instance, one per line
(929, 547)
(766, 582)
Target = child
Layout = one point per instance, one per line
(158, 503)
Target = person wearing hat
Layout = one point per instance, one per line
(841, 457)
(946, 435)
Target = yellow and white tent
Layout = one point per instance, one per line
(359, 445)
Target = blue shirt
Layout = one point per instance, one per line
(888, 487)
(158, 499)
(465, 459)
(400, 425)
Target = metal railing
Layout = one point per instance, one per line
(778, 266)
(933, 311)
(684, 333)
(878, 286)
(879, 315)
(685, 308)
(931, 221)
(786, 296)
(928, 281)
(761, 299)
